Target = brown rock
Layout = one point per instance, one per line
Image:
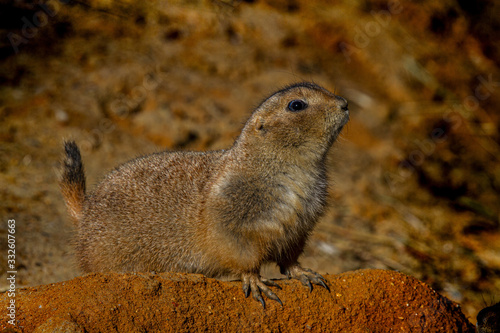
(360, 301)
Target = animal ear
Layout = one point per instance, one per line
(260, 126)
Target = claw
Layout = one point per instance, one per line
(272, 296)
(246, 285)
(246, 290)
(259, 298)
(253, 283)
(305, 281)
(271, 283)
(323, 284)
(278, 300)
(306, 276)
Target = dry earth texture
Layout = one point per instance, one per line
(361, 301)
(416, 174)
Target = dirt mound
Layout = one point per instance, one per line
(415, 176)
(360, 301)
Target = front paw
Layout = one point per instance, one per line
(306, 276)
(252, 282)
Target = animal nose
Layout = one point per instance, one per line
(342, 103)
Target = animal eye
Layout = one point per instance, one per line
(297, 105)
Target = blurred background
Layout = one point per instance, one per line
(415, 175)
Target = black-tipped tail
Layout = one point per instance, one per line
(73, 180)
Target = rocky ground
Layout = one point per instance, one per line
(415, 175)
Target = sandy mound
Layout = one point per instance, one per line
(415, 176)
(360, 301)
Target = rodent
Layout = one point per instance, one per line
(217, 213)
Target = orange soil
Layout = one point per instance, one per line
(360, 301)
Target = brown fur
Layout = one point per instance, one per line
(72, 184)
(219, 212)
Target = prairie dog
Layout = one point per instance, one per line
(217, 213)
